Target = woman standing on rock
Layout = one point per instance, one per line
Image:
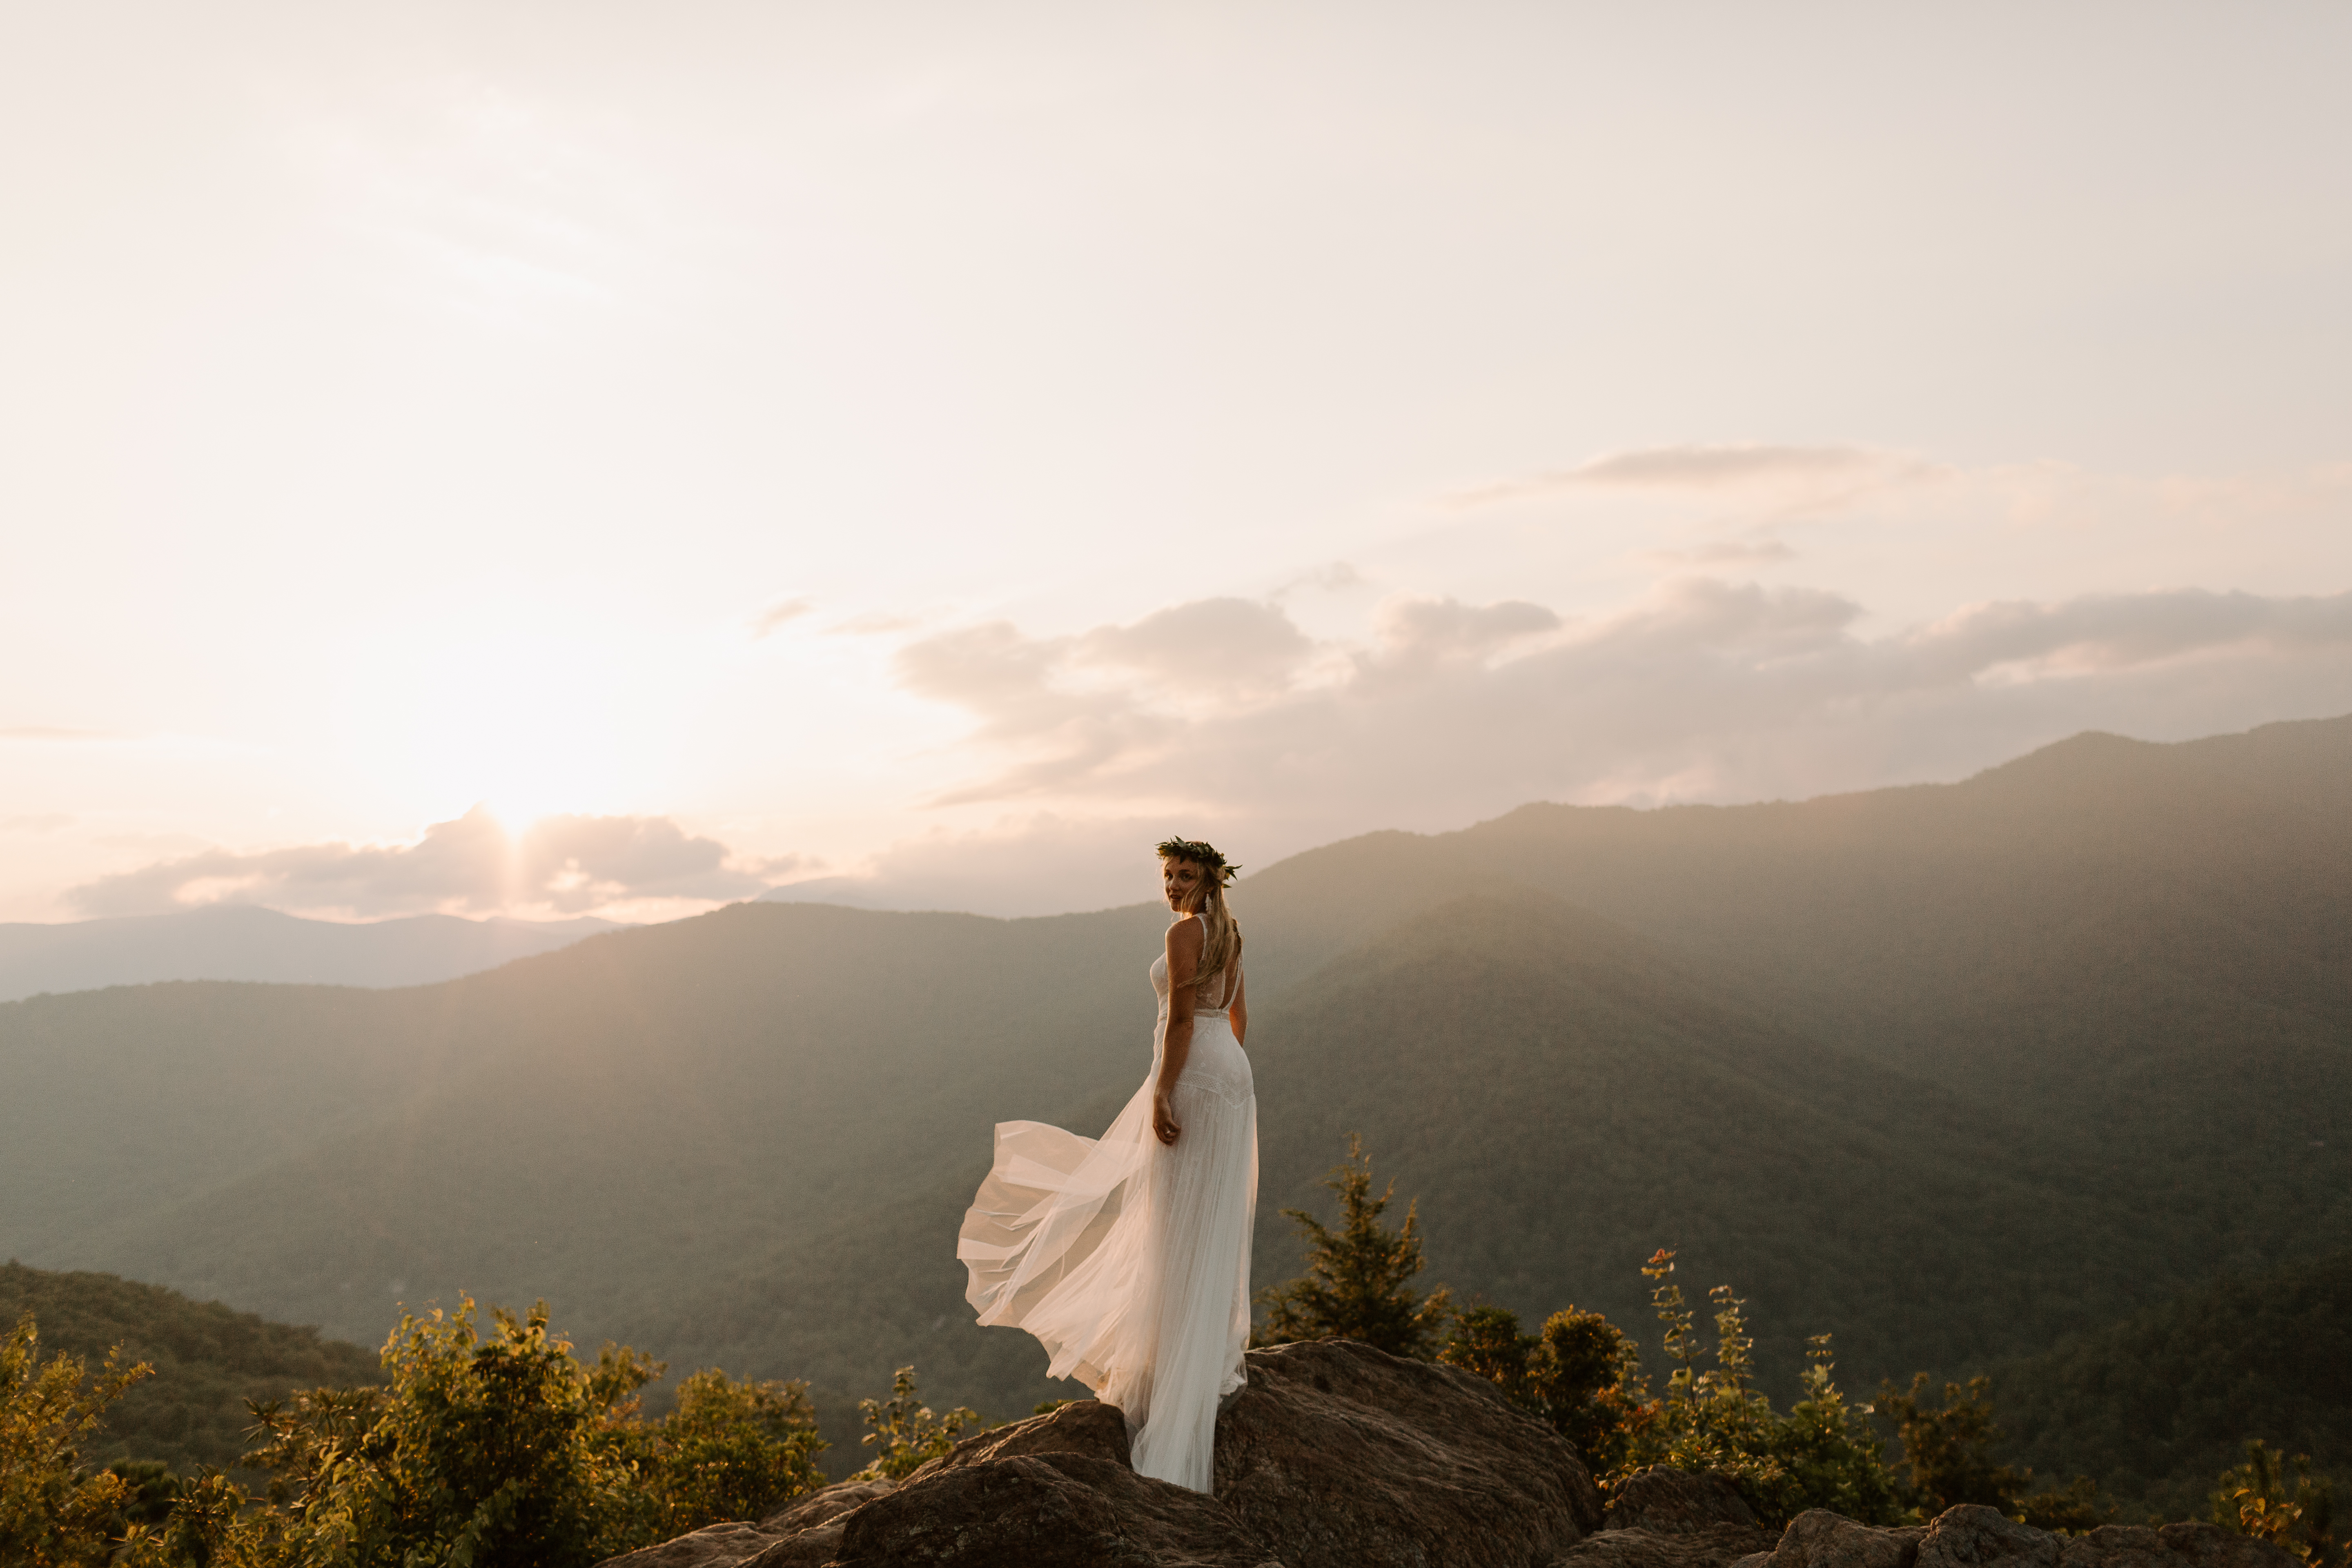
(1127, 1256)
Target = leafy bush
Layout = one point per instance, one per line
(904, 1434)
(1822, 1454)
(1568, 1376)
(497, 1448)
(1947, 1454)
(52, 1514)
(729, 1450)
(1358, 1283)
(2275, 1497)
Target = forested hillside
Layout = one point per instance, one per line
(208, 1361)
(1950, 1071)
(2158, 1405)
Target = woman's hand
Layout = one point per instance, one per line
(1163, 1116)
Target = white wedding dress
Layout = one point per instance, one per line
(1129, 1258)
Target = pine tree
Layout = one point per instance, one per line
(1358, 1283)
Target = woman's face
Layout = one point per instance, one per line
(1182, 881)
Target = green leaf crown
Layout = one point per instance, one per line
(1200, 854)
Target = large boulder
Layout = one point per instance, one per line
(1662, 1518)
(1820, 1538)
(1335, 1453)
(731, 1545)
(2191, 1545)
(1677, 1502)
(1972, 1536)
(1044, 1511)
(1340, 1456)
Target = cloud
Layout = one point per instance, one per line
(1037, 863)
(1209, 644)
(777, 614)
(1336, 577)
(38, 823)
(1420, 634)
(1816, 472)
(569, 864)
(1704, 689)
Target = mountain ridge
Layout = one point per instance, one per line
(1898, 1070)
(251, 943)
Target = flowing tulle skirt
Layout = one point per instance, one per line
(1129, 1259)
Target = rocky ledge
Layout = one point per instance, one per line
(1340, 1456)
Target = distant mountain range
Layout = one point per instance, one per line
(243, 941)
(1952, 1071)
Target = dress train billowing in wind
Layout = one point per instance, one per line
(1129, 1258)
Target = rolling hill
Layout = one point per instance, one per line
(207, 1360)
(1951, 1072)
(244, 941)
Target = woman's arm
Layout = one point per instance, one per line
(1184, 939)
(1239, 1006)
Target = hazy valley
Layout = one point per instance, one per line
(1953, 1072)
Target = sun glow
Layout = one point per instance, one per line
(531, 721)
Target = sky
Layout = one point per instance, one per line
(548, 460)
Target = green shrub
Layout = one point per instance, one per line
(52, 1514)
(2274, 1498)
(904, 1434)
(1822, 1454)
(1358, 1283)
(730, 1450)
(1567, 1376)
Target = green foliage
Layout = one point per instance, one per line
(479, 1450)
(903, 1432)
(151, 1492)
(1947, 1455)
(2070, 1509)
(1568, 1376)
(730, 1450)
(1822, 1454)
(2276, 1499)
(2157, 1404)
(1358, 1283)
(502, 1448)
(208, 1361)
(52, 1513)
(1948, 1452)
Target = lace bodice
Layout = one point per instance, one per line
(1211, 999)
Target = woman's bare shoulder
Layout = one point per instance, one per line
(1187, 932)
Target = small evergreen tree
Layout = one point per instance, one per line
(1358, 1283)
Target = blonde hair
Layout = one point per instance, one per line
(1221, 935)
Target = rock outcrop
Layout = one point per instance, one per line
(1335, 1454)
(1340, 1455)
(1970, 1537)
(1667, 1518)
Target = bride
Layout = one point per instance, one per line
(1127, 1256)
